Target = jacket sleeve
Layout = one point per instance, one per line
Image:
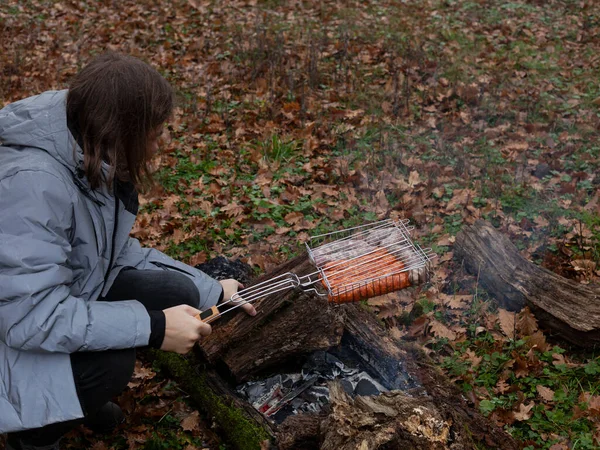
(37, 310)
(134, 255)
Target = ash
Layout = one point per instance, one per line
(283, 395)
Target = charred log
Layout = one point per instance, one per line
(570, 309)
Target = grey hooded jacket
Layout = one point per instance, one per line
(57, 240)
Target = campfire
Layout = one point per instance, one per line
(307, 390)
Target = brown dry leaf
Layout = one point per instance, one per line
(470, 356)
(198, 258)
(501, 387)
(397, 333)
(524, 412)
(442, 331)
(413, 178)
(191, 422)
(538, 340)
(559, 446)
(389, 310)
(584, 265)
(233, 209)
(594, 405)
(99, 445)
(417, 328)
(541, 221)
(446, 240)
(515, 146)
(521, 367)
(293, 217)
(142, 373)
(526, 322)
(547, 394)
(381, 201)
(456, 301)
(446, 257)
(401, 297)
(559, 359)
(507, 320)
(460, 198)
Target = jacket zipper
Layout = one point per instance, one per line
(114, 235)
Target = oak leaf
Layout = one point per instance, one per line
(456, 301)
(293, 217)
(442, 331)
(191, 422)
(538, 340)
(507, 322)
(546, 393)
(501, 387)
(418, 326)
(526, 322)
(470, 356)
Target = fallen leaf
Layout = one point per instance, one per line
(442, 331)
(521, 368)
(470, 356)
(559, 446)
(232, 209)
(594, 405)
(460, 198)
(456, 301)
(397, 333)
(501, 387)
(198, 258)
(559, 359)
(524, 412)
(547, 394)
(191, 422)
(538, 340)
(381, 201)
(507, 322)
(417, 328)
(413, 178)
(293, 217)
(526, 322)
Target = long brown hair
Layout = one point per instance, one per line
(115, 103)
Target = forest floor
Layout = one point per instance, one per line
(301, 117)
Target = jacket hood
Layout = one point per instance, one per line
(41, 122)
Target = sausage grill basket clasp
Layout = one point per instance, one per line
(351, 265)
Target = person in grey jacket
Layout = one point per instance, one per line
(77, 294)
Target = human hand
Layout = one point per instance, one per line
(230, 287)
(182, 329)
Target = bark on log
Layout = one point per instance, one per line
(568, 308)
(424, 410)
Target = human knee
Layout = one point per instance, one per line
(186, 291)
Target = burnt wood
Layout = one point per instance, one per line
(568, 308)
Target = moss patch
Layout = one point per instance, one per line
(239, 431)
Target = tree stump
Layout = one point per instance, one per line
(563, 306)
(422, 409)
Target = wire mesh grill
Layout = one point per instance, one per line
(369, 260)
(352, 265)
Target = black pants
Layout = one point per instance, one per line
(100, 376)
